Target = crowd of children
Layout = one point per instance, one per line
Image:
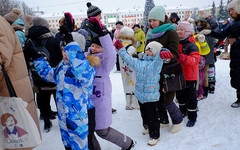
(83, 86)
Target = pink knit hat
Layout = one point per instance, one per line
(187, 27)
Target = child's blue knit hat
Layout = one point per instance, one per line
(158, 13)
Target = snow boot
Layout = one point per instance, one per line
(47, 124)
(134, 101)
(176, 127)
(131, 146)
(164, 122)
(191, 123)
(145, 131)
(211, 87)
(153, 142)
(114, 111)
(205, 90)
(237, 103)
(128, 102)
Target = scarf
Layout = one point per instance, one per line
(159, 31)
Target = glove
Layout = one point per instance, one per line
(67, 28)
(96, 26)
(201, 38)
(166, 55)
(118, 45)
(205, 32)
(67, 35)
(182, 58)
(69, 21)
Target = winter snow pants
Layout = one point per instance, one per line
(187, 99)
(92, 140)
(115, 137)
(150, 115)
(166, 104)
(43, 102)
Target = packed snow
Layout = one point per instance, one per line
(217, 126)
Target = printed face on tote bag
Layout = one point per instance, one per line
(9, 122)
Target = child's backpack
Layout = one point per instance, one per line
(40, 47)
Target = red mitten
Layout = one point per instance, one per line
(118, 45)
(166, 55)
(182, 58)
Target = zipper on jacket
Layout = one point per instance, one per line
(77, 112)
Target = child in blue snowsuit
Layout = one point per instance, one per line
(147, 83)
(74, 79)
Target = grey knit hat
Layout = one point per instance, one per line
(77, 37)
(39, 21)
(92, 11)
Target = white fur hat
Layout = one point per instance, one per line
(154, 46)
(235, 4)
(126, 31)
(79, 38)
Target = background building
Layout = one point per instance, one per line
(129, 17)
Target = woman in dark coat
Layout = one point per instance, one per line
(234, 30)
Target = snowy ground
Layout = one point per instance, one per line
(217, 126)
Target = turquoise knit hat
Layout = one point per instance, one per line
(158, 13)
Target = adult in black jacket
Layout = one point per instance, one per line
(37, 33)
(234, 30)
(93, 11)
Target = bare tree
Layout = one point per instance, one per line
(7, 6)
(4, 7)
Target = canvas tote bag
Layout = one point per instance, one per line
(17, 128)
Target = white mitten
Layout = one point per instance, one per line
(205, 32)
(201, 38)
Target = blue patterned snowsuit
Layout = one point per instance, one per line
(74, 86)
(147, 75)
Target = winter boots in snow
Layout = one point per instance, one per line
(191, 123)
(47, 124)
(131, 147)
(145, 131)
(205, 90)
(164, 122)
(153, 142)
(131, 102)
(176, 127)
(237, 103)
(114, 111)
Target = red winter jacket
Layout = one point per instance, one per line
(190, 65)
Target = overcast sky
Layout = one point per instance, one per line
(58, 6)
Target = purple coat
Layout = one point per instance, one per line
(102, 87)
